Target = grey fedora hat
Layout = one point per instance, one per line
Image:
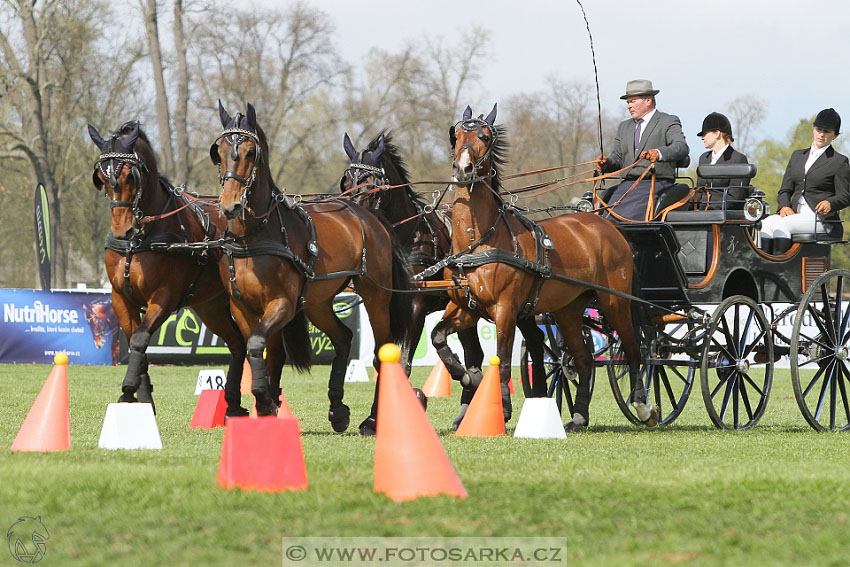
(639, 87)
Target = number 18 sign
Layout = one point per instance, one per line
(209, 380)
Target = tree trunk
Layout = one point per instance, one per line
(181, 128)
(149, 10)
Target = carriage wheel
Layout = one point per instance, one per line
(559, 367)
(819, 357)
(737, 364)
(667, 370)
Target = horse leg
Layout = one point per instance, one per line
(569, 320)
(506, 322)
(454, 319)
(323, 317)
(275, 359)
(136, 380)
(618, 311)
(534, 345)
(277, 314)
(216, 316)
(417, 322)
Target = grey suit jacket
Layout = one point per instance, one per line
(662, 133)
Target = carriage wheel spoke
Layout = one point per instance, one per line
(727, 395)
(814, 379)
(827, 311)
(730, 342)
(824, 389)
(742, 343)
(747, 349)
(839, 286)
(825, 329)
(843, 388)
(723, 348)
(753, 384)
(745, 397)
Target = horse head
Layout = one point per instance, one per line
(126, 164)
(474, 141)
(238, 152)
(365, 172)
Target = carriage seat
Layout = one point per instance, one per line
(807, 238)
(727, 170)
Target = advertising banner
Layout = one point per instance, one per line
(42, 236)
(38, 324)
(184, 339)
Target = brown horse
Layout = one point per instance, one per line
(379, 180)
(287, 259)
(151, 263)
(516, 268)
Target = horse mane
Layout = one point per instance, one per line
(128, 127)
(391, 158)
(498, 153)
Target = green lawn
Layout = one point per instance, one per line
(684, 495)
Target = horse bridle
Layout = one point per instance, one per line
(476, 124)
(234, 137)
(360, 171)
(109, 165)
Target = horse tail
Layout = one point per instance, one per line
(401, 301)
(296, 341)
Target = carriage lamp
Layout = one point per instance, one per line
(754, 206)
(585, 204)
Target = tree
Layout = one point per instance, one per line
(746, 113)
(49, 87)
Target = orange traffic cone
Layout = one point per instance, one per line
(511, 385)
(484, 418)
(245, 386)
(47, 426)
(439, 382)
(409, 460)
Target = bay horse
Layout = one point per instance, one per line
(517, 268)
(150, 221)
(287, 259)
(377, 178)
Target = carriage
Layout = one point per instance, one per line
(716, 306)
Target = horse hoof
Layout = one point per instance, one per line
(127, 398)
(573, 427)
(369, 427)
(471, 378)
(423, 399)
(653, 418)
(459, 418)
(238, 411)
(340, 418)
(145, 397)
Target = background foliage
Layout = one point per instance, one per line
(65, 65)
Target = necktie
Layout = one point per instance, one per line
(639, 121)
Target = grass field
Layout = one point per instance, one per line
(684, 495)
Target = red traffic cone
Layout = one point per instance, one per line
(439, 382)
(47, 426)
(210, 410)
(409, 460)
(262, 454)
(485, 418)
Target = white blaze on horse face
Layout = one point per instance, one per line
(464, 160)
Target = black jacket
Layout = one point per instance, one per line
(828, 179)
(716, 187)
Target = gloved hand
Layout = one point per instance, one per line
(651, 155)
(601, 161)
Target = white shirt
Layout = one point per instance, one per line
(813, 156)
(645, 120)
(716, 155)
